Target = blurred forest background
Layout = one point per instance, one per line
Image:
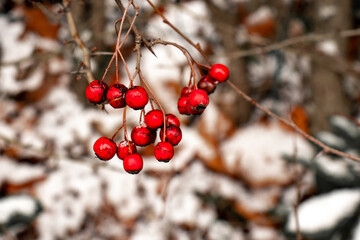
(237, 174)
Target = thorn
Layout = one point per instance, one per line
(151, 50)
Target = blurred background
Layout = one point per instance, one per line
(237, 174)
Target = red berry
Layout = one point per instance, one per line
(219, 72)
(207, 84)
(136, 97)
(116, 95)
(186, 91)
(133, 163)
(154, 119)
(142, 136)
(172, 119)
(181, 105)
(164, 151)
(198, 100)
(96, 92)
(173, 135)
(125, 148)
(105, 148)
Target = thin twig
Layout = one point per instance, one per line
(325, 148)
(165, 20)
(134, 29)
(294, 41)
(79, 42)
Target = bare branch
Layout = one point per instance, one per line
(79, 42)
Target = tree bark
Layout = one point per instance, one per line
(239, 111)
(329, 97)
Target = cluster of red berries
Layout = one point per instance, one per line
(193, 100)
(119, 96)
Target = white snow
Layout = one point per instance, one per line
(221, 230)
(332, 140)
(356, 233)
(261, 14)
(24, 172)
(326, 12)
(323, 212)
(334, 168)
(67, 196)
(346, 125)
(17, 204)
(328, 47)
(255, 152)
(258, 232)
(13, 48)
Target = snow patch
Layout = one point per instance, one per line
(325, 211)
(18, 204)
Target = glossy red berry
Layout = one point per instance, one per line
(198, 100)
(142, 136)
(133, 163)
(105, 148)
(164, 151)
(96, 92)
(173, 135)
(207, 84)
(219, 72)
(186, 91)
(171, 119)
(154, 119)
(125, 148)
(181, 105)
(116, 95)
(136, 97)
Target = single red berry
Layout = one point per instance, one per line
(154, 119)
(136, 97)
(133, 163)
(181, 105)
(116, 95)
(172, 119)
(125, 148)
(96, 92)
(186, 91)
(164, 151)
(219, 72)
(105, 148)
(207, 84)
(198, 100)
(173, 135)
(142, 136)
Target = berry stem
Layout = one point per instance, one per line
(154, 97)
(124, 124)
(165, 20)
(185, 52)
(117, 131)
